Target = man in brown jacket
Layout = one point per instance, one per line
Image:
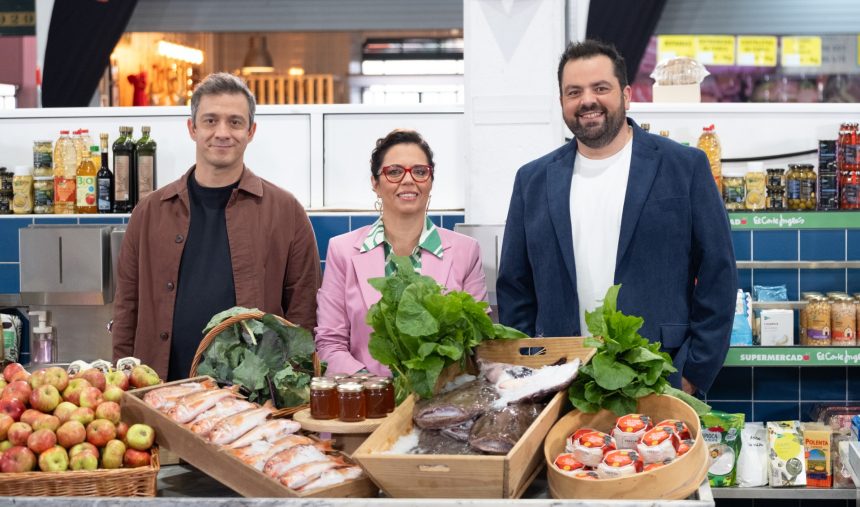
(218, 237)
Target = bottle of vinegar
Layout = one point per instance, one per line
(104, 181)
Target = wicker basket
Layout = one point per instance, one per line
(215, 331)
(140, 481)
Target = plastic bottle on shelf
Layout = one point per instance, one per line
(65, 172)
(710, 144)
(86, 143)
(86, 183)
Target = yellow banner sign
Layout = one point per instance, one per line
(758, 51)
(715, 49)
(801, 51)
(673, 46)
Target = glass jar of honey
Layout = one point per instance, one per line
(324, 403)
(374, 394)
(351, 402)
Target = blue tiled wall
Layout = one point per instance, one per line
(326, 226)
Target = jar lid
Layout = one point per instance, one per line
(361, 377)
(380, 378)
(43, 178)
(23, 170)
(375, 384)
(350, 387)
(836, 293)
(323, 384)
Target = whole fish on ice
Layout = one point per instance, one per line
(334, 476)
(270, 430)
(516, 383)
(191, 405)
(291, 458)
(454, 407)
(498, 431)
(232, 427)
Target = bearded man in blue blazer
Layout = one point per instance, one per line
(619, 205)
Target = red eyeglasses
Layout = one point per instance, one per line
(395, 173)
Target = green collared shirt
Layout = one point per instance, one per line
(429, 241)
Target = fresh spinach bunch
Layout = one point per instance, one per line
(418, 329)
(626, 366)
(273, 361)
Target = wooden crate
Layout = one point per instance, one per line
(484, 476)
(674, 481)
(220, 465)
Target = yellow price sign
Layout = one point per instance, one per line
(673, 46)
(758, 51)
(715, 49)
(801, 51)
(17, 19)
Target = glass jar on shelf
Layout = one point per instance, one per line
(808, 183)
(843, 320)
(352, 404)
(775, 200)
(849, 189)
(818, 322)
(755, 184)
(323, 399)
(734, 191)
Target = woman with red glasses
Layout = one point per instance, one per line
(401, 174)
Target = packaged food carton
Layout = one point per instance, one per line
(787, 465)
(816, 442)
(777, 328)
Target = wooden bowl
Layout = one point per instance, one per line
(674, 481)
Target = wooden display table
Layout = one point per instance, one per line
(348, 435)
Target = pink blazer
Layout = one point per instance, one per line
(345, 296)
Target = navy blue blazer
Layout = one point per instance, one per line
(675, 259)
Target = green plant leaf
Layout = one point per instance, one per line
(248, 372)
(620, 404)
(610, 374)
(381, 349)
(412, 318)
(508, 333)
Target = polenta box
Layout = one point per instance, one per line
(219, 464)
(470, 476)
(816, 444)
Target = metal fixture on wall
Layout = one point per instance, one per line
(257, 59)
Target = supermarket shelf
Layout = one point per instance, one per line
(777, 305)
(793, 356)
(798, 264)
(787, 493)
(753, 221)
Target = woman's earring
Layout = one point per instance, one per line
(378, 205)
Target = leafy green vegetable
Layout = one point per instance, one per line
(418, 329)
(626, 366)
(261, 355)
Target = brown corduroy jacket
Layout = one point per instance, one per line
(276, 265)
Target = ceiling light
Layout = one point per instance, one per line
(257, 59)
(180, 52)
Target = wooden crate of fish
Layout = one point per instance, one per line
(674, 480)
(238, 444)
(493, 414)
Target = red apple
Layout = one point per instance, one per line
(45, 398)
(54, 459)
(19, 433)
(64, 410)
(112, 393)
(17, 459)
(5, 422)
(37, 378)
(112, 454)
(83, 415)
(134, 458)
(100, 432)
(71, 433)
(121, 431)
(72, 392)
(30, 416)
(41, 440)
(21, 375)
(108, 410)
(140, 436)
(57, 377)
(143, 376)
(95, 377)
(47, 422)
(12, 407)
(18, 390)
(117, 378)
(91, 397)
(84, 461)
(11, 369)
(84, 448)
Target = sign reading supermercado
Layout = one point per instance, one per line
(793, 356)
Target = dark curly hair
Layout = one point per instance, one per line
(395, 137)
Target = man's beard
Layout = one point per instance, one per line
(598, 136)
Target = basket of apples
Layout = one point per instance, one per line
(63, 435)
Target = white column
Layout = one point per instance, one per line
(512, 110)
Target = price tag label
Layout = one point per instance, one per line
(801, 51)
(17, 19)
(758, 51)
(715, 49)
(674, 46)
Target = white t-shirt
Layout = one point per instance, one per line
(596, 205)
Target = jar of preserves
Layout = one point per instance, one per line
(843, 320)
(806, 297)
(734, 191)
(43, 194)
(818, 322)
(792, 187)
(341, 378)
(324, 399)
(43, 158)
(776, 199)
(22, 190)
(807, 187)
(374, 393)
(776, 178)
(849, 189)
(352, 406)
(756, 189)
